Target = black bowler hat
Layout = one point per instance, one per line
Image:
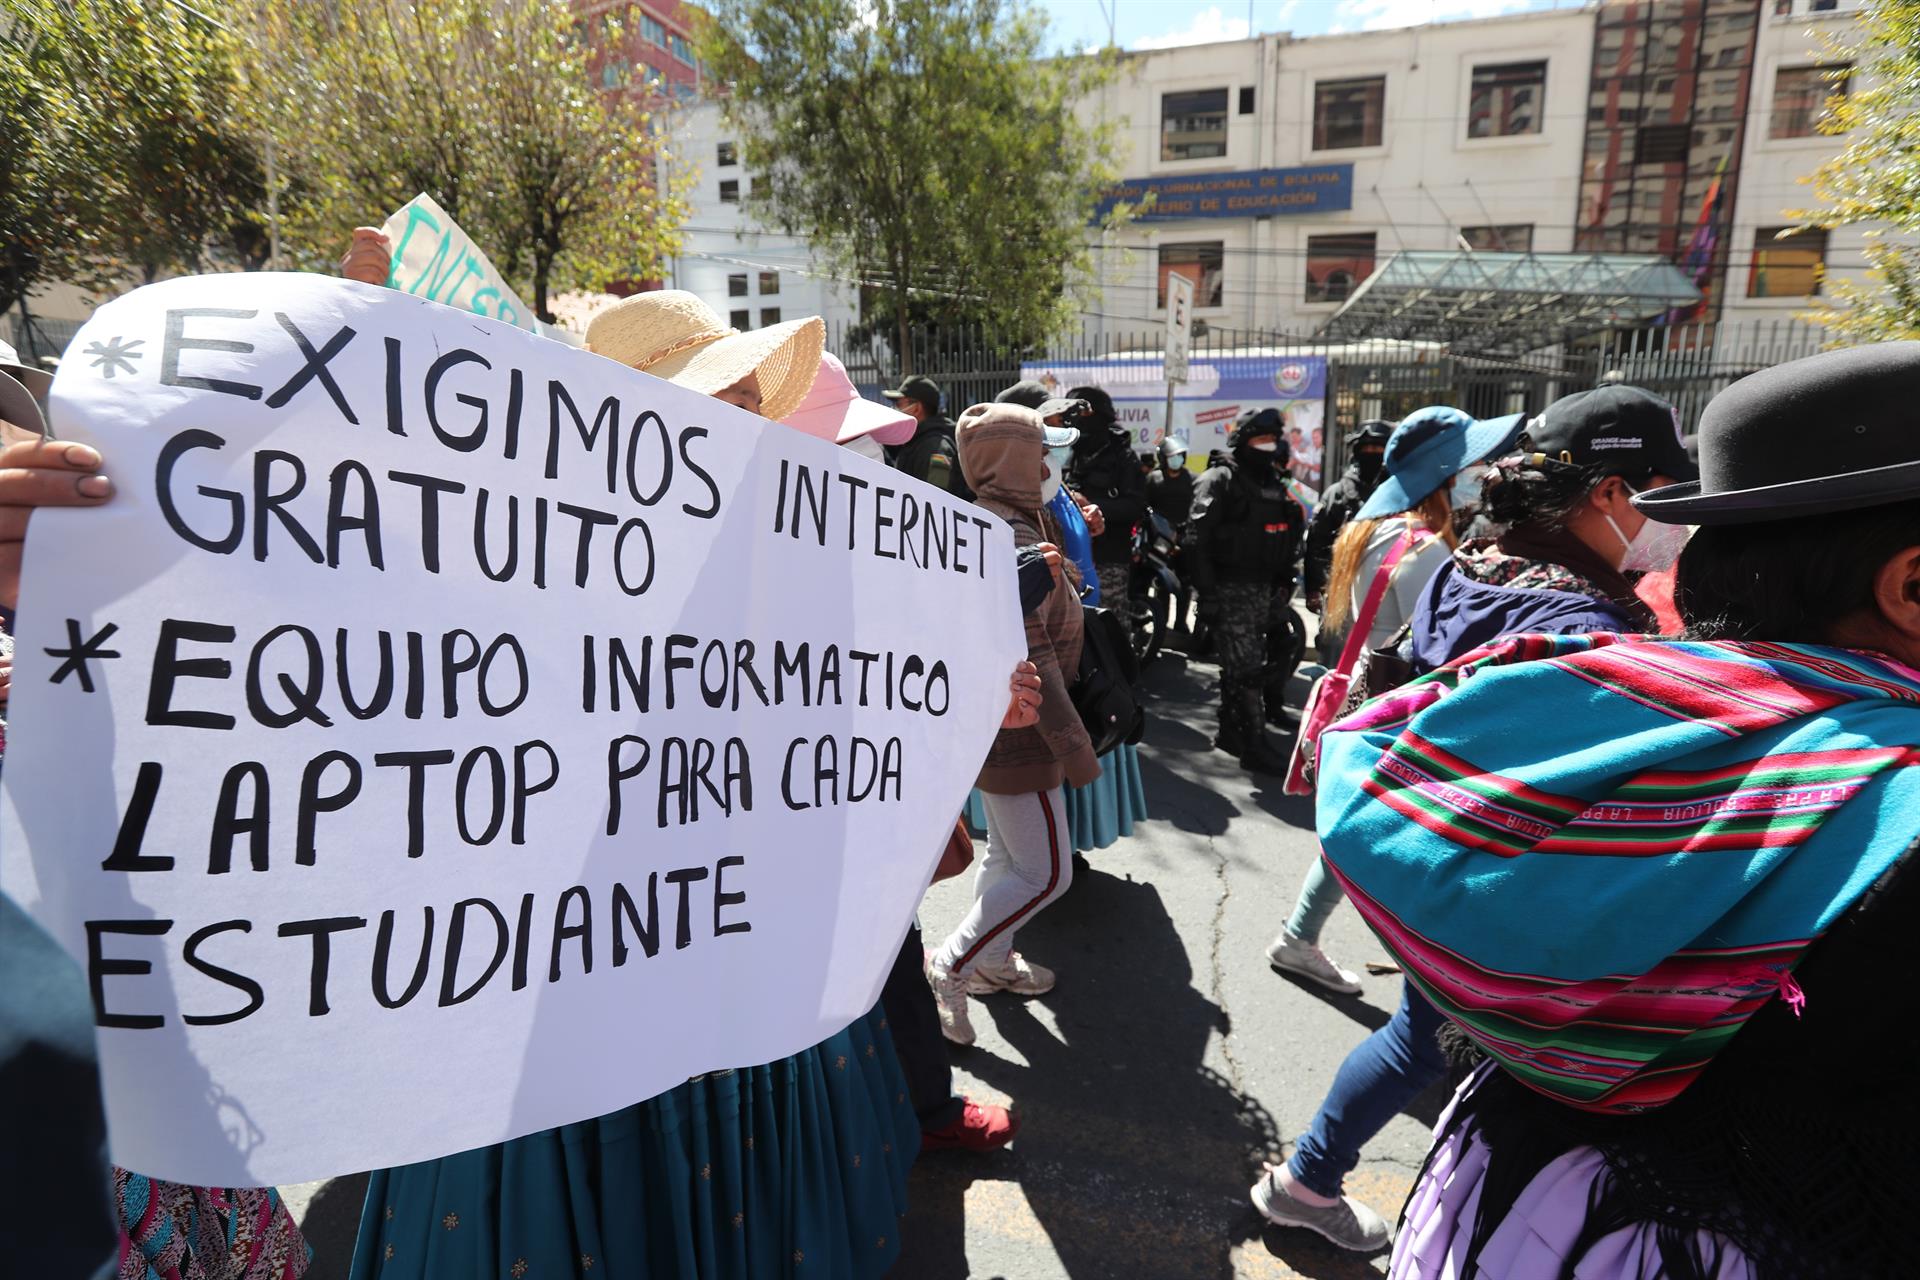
(1831, 432)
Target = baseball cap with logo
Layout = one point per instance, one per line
(1621, 430)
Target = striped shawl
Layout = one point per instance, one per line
(1599, 855)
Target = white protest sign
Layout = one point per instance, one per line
(443, 735)
(434, 259)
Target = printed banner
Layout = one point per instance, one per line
(1218, 390)
(1248, 193)
(443, 735)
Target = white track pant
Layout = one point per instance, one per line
(1029, 863)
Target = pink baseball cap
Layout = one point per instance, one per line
(834, 410)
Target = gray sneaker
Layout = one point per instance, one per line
(1349, 1224)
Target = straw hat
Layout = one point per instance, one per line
(673, 335)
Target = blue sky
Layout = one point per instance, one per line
(1151, 24)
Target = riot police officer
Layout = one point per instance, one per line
(1170, 495)
(1244, 544)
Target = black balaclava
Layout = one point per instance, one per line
(1369, 446)
(1260, 422)
(1096, 434)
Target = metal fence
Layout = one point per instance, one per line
(1373, 378)
(38, 337)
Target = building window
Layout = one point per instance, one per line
(1347, 113)
(650, 29)
(1506, 99)
(1203, 263)
(726, 155)
(1787, 268)
(1246, 101)
(1512, 237)
(1800, 98)
(741, 320)
(730, 191)
(615, 72)
(769, 282)
(737, 285)
(1662, 143)
(684, 92)
(1193, 126)
(769, 316)
(1336, 265)
(677, 45)
(756, 186)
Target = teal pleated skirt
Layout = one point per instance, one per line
(794, 1169)
(1099, 813)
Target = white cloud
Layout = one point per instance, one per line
(1208, 26)
(1374, 15)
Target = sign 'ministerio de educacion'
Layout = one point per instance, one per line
(1248, 193)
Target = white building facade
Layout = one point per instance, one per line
(751, 277)
(1285, 170)
(1433, 137)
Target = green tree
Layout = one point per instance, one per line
(924, 148)
(121, 147)
(1875, 181)
(489, 106)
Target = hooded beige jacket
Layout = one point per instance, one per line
(1001, 451)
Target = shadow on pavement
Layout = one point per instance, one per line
(331, 1223)
(1133, 1153)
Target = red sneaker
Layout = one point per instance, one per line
(979, 1128)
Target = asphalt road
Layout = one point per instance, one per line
(1166, 1066)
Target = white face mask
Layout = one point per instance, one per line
(1466, 487)
(1271, 446)
(1654, 548)
(868, 447)
(1051, 485)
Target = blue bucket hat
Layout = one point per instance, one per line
(1429, 448)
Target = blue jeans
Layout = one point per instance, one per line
(1384, 1073)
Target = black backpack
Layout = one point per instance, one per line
(1102, 691)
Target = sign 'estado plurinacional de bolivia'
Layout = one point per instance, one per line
(1246, 193)
(443, 734)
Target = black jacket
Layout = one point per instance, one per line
(932, 456)
(1171, 496)
(1109, 477)
(1337, 505)
(1245, 528)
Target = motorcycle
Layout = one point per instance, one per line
(1154, 588)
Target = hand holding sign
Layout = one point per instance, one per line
(459, 698)
(40, 473)
(369, 258)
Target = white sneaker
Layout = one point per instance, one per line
(1020, 977)
(1296, 955)
(950, 998)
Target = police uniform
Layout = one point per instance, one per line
(1245, 542)
(931, 455)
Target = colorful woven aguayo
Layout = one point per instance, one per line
(1600, 855)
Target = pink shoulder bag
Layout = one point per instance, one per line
(1329, 692)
